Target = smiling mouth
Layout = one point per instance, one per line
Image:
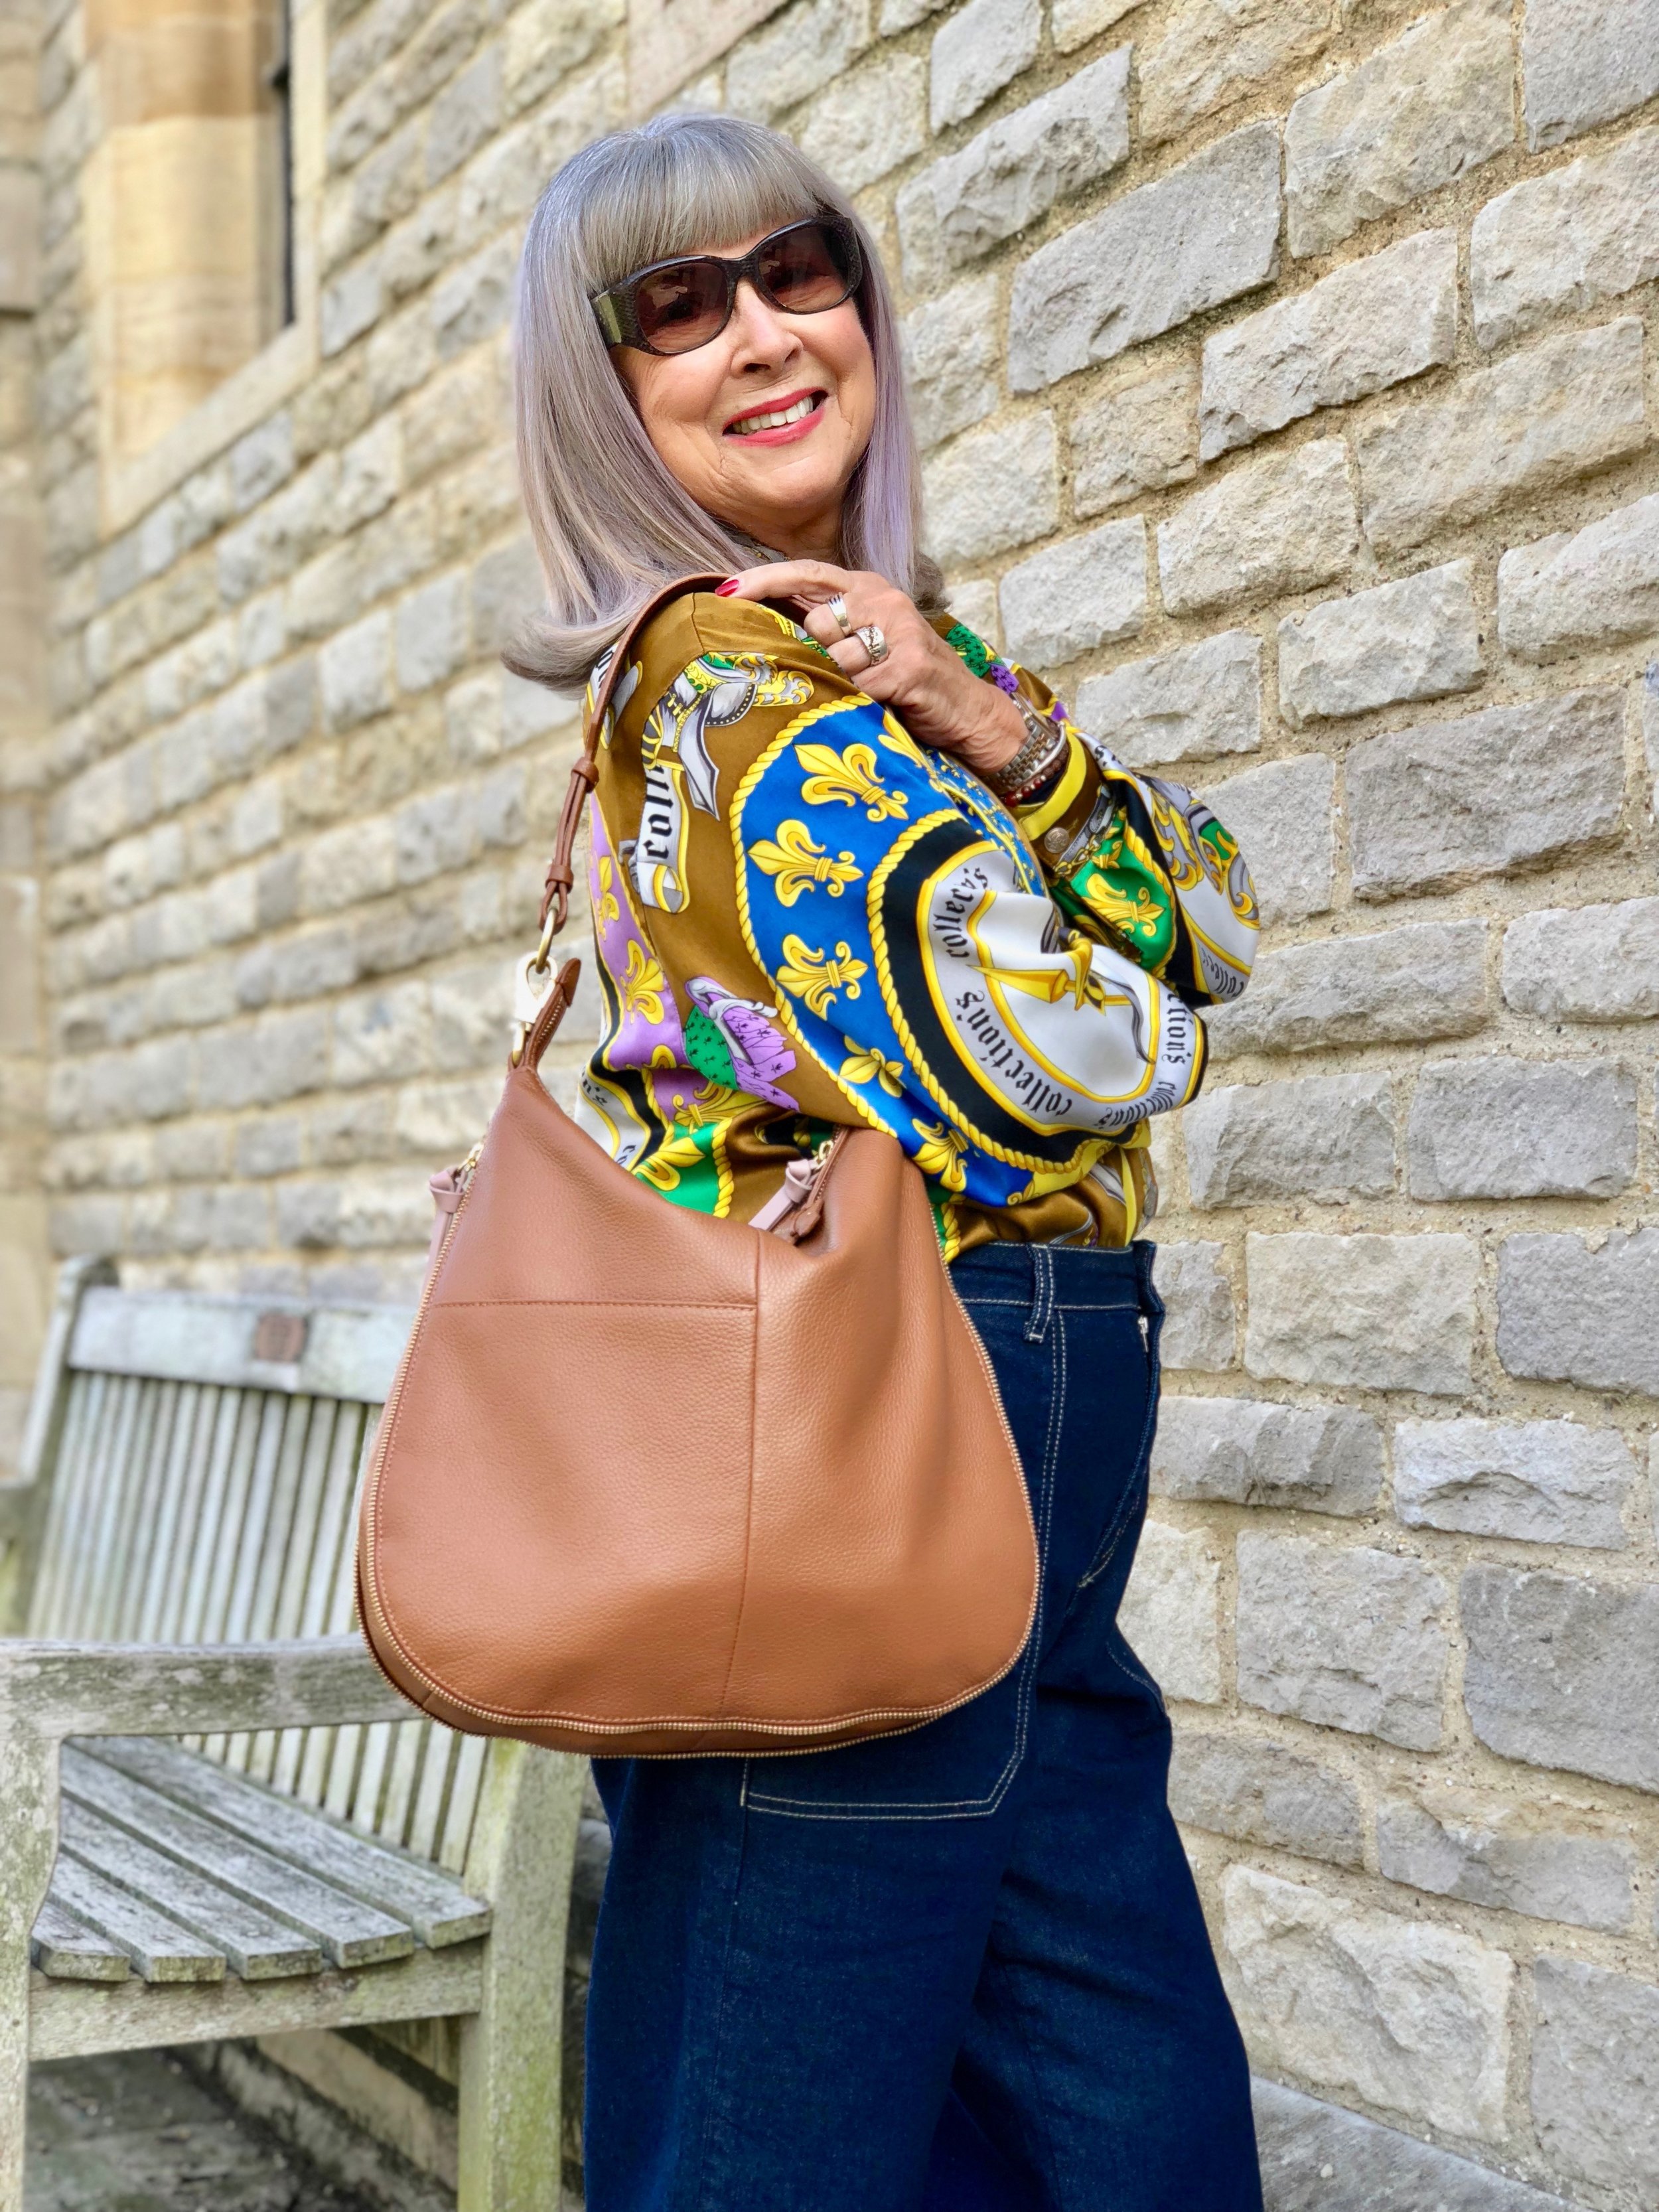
(776, 418)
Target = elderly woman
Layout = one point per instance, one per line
(850, 867)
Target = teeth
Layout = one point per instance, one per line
(777, 420)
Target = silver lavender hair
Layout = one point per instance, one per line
(610, 525)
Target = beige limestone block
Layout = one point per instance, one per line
(1408, 2016)
(1138, 437)
(1212, 52)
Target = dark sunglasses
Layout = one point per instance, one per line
(675, 307)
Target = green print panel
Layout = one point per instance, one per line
(1122, 886)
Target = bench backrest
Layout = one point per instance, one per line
(200, 1460)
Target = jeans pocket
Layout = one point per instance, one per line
(1127, 1519)
(956, 1768)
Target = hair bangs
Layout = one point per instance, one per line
(689, 190)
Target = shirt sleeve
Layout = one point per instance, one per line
(1140, 862)
(901, 920)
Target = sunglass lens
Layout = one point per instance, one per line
(680, 306)
(807, 269)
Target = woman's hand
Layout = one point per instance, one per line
(938, 698)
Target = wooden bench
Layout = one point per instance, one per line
(216, 1818)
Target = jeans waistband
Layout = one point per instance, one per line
(1063, 1274)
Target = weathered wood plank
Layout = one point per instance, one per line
(162, 1689)
(344, 1351)
(161, 1948)
(350, 1933)
(433, 1903)
(74, 2022)
(71, 1949)
(258, 1947)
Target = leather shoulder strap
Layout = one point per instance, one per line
(555, 891)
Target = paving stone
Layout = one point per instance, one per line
(1537, 418)
(1492, 1854)
(976, 53)
(1015, 170)
(1084, 591)
(795, 56)
(1449, 802)
(1343, 1636)
(1199, 1327)
(1569, 1314)
(1410, 2017)
(1415, 639)
(1556, 244)
(1138, 438)
(1280, 523)
(1393, 987)
(1540, 1482)
(1594, 2087)
(1372, 324)
(1194, 704)
(1588, 963)
(1305, 2144)
(1283, 819)
(1161, 254)
(1250, 1451)
(993, 489)
(1433, 105)
(1328, 1136)
(1585, 61)
(1598, 586)
(1518, 1129)
(1559, 1673)
(1386, 1313)
(135, 2129)
(1172, 1612)
(1214, 52)
(951, 350)
(866, 124)
(1260, 1792)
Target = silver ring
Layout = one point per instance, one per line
(836, 603)
(870, 636)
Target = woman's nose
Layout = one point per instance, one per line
(760, 334)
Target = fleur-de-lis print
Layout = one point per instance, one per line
(607, 909)
(642, 987)
(797, 864)
(939, 1153)
(865, 1065)
(808, 974)
(847, 779)
(664, 1166)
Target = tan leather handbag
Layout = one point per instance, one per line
(650, 1483)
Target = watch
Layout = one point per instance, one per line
(1043, 752)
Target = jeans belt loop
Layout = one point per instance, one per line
(1043, 1295)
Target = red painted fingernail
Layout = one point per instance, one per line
(725, 591)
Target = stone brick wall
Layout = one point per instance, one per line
(1287, 373)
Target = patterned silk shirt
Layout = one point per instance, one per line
(805, 919)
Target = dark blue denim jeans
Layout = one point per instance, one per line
(963, 1970)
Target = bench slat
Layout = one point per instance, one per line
(259, 1949)
(162, 1950)
(70, 1949)
(352, 1933)
(437, 1908)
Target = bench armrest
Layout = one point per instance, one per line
(57, 1690)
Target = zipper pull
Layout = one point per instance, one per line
(795, 1212)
